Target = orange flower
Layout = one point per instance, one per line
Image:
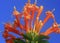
(29, 19)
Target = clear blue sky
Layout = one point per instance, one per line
(6, 8)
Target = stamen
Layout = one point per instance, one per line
(14, 8)
(35, 2)
(53, 10)
(28, 1)
(15, 12)
(59, 25)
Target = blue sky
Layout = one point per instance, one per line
(6, 9)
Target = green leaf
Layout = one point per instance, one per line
(43, 37)
(36, 38)
(28, 37)
(43, 41)
(18, 41)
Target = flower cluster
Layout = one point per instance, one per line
(32, 32)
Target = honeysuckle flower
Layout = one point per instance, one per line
(32, 32)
